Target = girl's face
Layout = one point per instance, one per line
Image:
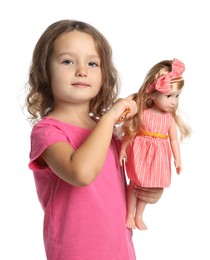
(166, 102)
(74, 67)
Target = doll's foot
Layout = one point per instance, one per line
(130, 223)
(140, 224)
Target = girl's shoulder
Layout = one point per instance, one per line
(50, 130)
(56, 123)
(51, 127)
(46, 121)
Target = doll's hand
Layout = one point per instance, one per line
(123, 158)
(148, 195)
(123, 154)
(178, 167)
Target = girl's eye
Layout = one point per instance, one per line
(93, 64)
(68, 62)
(177, 96)
(168, 96)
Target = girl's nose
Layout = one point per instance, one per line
(81, 71)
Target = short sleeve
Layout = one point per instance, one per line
(42, 136)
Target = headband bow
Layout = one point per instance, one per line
(162, 84)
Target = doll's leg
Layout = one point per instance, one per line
(131, 205)
(140, 206)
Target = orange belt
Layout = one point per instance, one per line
(155, 135)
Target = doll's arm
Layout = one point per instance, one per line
(175, 147)
(123, 154)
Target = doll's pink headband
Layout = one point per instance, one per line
(162, 84)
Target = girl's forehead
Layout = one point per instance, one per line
(75, 42)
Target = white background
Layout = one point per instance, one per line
(141, 34)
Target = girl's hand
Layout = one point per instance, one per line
(123, 106)
(148, 195)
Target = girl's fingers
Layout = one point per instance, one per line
(123, 116)
(132, 96)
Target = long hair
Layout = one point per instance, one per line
(144, 100)
(39, 99)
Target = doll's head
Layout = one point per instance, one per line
(164, 77)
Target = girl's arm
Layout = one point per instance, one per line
(80, 167)
(175, 147)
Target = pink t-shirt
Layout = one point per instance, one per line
(80, 223)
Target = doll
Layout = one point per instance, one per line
(150, 138)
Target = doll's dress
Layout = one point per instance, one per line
(149, 157)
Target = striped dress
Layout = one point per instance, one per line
(149, 158)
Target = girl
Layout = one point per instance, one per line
(145, 146)
(73, 156)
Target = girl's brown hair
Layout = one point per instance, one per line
(39, 100)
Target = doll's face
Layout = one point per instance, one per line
(166, 102)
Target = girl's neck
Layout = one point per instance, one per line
(75, 116)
